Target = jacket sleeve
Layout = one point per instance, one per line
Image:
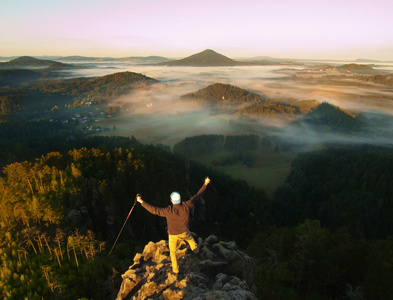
(196, 197)
(159, 211)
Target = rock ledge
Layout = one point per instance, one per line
(218, 271)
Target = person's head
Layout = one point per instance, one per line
(175, 198)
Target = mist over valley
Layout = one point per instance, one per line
(300, 154)
(278, 101)
(273, 121)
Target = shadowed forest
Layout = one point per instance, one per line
(299, 154)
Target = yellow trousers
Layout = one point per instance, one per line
(173, 240)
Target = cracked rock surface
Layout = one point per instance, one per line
(218, 271)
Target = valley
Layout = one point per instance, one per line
(299, 153)
(160, 112)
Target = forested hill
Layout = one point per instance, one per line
(26, 62)
(246, 103)
(206, 58)
(356, 68)
(54, 96)
(350, 68)
(102, 87)
(219, 92)
(330, 118)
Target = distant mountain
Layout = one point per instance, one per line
(28, 62)
(144, 60)
(131, 59)
(26, 69)
(206, 58)
(210, 58)
(365, 60)
(78, 58)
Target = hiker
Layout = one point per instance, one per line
(177, 217)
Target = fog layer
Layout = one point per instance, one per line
(156, 114)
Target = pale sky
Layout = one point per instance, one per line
(330, 29)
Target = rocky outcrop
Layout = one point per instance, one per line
(218, 271)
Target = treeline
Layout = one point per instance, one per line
(61, 213)
(25, 140)
(309, 261)
(240, 147)
(333, 231)
(327, 233)
(203, 144)
(14, 77)
(349, 187)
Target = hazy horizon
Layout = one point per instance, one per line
(304, 29)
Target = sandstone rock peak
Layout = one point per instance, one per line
(218, 271)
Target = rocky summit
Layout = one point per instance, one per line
(218, 271)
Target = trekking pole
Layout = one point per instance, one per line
(124, 224)
(213, 188)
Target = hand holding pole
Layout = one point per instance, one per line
(136, 198)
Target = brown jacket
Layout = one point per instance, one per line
(177, 215)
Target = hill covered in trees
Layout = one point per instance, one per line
(246, 103)
(104, 87)
(56, 96)
(330, 118)
(322, 119)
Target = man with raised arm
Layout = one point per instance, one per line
(177, 216)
